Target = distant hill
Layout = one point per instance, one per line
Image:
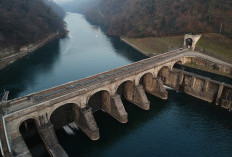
(78, 6)
(143, 18)
(26, 21)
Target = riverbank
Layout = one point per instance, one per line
(4, 62)
(154, 46)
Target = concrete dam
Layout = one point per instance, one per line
(76, 101)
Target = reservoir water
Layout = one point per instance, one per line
(180, 126)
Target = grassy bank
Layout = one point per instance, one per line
(154, 46)
(217, 46)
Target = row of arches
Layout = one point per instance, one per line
(66, 110)
(65, 114)
(101, 99)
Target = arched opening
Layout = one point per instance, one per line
(145, 78)
(63, 116)
(164, 74)
(99, 100)
(189, 42)
(31, 136)
(178, 65)
(100, 103)
(146, 81)
(126, 89)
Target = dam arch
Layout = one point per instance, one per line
(63, 115)
(176, 64)
(125, 88)
(29, 129)
(99, 100)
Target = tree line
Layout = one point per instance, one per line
(24, 22)
(142, 18)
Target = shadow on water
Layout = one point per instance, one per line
(23, 72)
(125, 50)
(209, 111)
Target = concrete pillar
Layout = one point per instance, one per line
(226, 100)
(180, 80)
(20, 148)
(116, 109)
(193, 81)
(87, 123)
(206, 85)
(3, 136)
(219, 94)
(157, 89)
(226, 103)
(138, 97)
(50, 140)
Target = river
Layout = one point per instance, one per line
(180, 126)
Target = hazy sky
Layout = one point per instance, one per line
(58, 1)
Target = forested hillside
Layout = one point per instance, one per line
(55, 7)
(140, 18)
(26, 21)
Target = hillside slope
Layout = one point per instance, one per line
(27, 21)
(139, 18)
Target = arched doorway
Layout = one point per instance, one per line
(189, 42)
(30, 134)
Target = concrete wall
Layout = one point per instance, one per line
(211, 65)
(201, 87)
